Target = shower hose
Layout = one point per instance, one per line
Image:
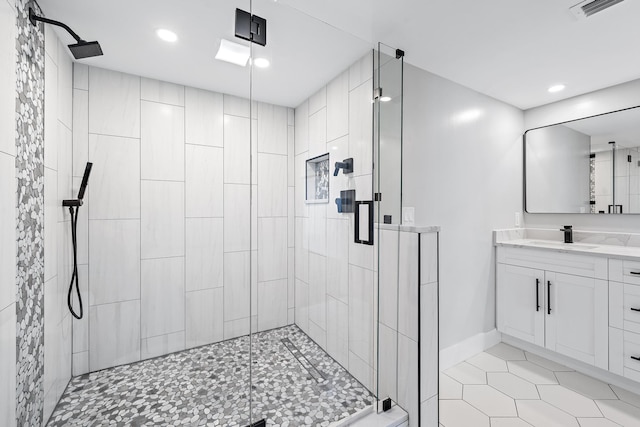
(74, 276)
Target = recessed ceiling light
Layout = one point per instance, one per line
(166, 35)
(385, 99)
(233, 52)
(556, 88)
(261, 62)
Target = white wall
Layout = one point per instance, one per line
(614, 98)
(463, 172)
(58, 261)
(558, 170)
(334, 289)
(8, 186)
(167, 242)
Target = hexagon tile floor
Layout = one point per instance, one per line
(508, 387)
(293, 385)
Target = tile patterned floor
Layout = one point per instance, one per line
(508, 387)
(209, 386)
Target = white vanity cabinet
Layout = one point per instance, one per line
(624, 318)
(556, 300)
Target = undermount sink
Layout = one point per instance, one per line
(561, 245)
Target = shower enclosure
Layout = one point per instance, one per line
(214, 221)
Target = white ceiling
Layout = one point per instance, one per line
(512, 50)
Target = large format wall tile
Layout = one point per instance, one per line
(165, 92)
(272, 129)
(204, 181)
(272, 249)
(360, 129)
(162, 296)
(338, 259)
(318, 133)
(114, 335)
(204, 323)
(50, 222)
(8, 230)
(7, 80)
(162, 142)
(80, 129)
(50, 113)
(317, 290)
(237, 217)
(302, 305)
(114, 257)
(162, 219)
(8, 365)
(204, 253)
(161, 345)
(361, 313)
(338, 107)
(338, 330)
(272, 185)
(272, 304)
(236, 285)
(203, 117)
(408, 285)
(302, 128)
(115, 177)
(237, 150)
(65, 85)
(114, 104)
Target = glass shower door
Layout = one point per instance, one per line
(313, 339)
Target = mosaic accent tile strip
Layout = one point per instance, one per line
(209, 386)
(30, 217)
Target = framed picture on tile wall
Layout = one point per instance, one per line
(318, 179)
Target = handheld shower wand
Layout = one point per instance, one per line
(74, 206)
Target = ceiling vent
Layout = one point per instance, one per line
(587, 8)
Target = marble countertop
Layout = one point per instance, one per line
(601, 244)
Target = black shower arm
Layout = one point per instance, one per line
(33, 18)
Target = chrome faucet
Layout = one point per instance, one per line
(568, 233)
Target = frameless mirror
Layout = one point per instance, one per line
(589, 165)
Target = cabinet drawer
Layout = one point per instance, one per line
(624, 271)
(560, 262)
(631, 308)
(631, 351)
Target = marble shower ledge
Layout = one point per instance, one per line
(409, 228)
(595, 243)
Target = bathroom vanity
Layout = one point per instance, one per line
(580, 300)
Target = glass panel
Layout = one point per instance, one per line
(313, 345)
(391, 351)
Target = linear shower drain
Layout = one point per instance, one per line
(304, 362)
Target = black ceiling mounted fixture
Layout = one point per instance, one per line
(81, 49)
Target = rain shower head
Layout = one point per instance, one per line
(85, 49)
(82, 49)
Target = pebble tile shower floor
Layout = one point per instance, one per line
(209, 386)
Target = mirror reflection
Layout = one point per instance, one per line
(590, 165)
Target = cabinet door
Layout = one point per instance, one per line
(520, 303)
(577, 320)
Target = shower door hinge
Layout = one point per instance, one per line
(377, 197)
(251, 27)
(399, 53)
(377, 93)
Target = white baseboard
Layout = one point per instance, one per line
(461, 351)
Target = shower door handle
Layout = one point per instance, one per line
(358, 236)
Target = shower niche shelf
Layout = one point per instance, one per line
(317, 179)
